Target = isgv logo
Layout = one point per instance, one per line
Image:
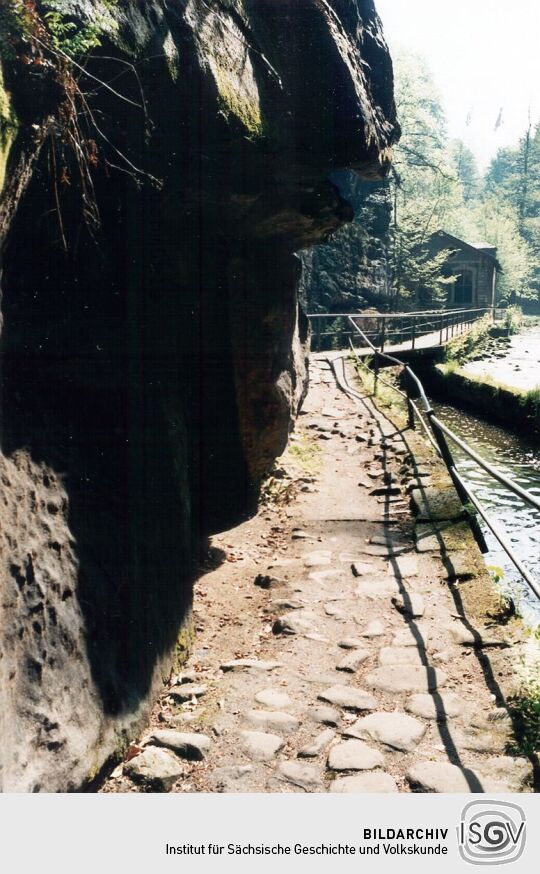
(492, 832)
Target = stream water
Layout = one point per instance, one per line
(519, 458)
(520, 367)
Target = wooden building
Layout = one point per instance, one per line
(475, 267)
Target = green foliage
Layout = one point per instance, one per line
(525, 710)
(278, 488)
(466, 170)
(306, 454)
(474, 341)
(437, 186)
(71, 38)
(27, 24)
(432, 178)
(496, 573)
(16, 24)
(524, 706)
(531, 403)
(513, 180)
(514, 319)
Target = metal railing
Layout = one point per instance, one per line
(439, 435)
(333, 330)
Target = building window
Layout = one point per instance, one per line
(463, 288)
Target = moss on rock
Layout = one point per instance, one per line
(184, 643)
(8, 128)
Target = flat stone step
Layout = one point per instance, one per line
(401, 655)
(354, 755)
(336, 610)
(516, 773)
(377, 587)
(154, 768)
(351, 643)
(443, 778)
(323, 576)
(404, 566)
(405, 678)
(261, 746)
(187, 745)
(441, 706)
(286, 604)
(369, 782)
(433, 503)
(459, 566)
(395, 730)
(410, 605)
(463, 636)
(349, 698)
(274, 699)
(430, 543)
(374, 629)
(361, 568)
(412, 636)
(265, 720)
(317, 558)
(306, 777)
(250, 665)
(352, 662)
(293, 624)
(479, 741)
(318, 745)
(187, 691)
(325, 715)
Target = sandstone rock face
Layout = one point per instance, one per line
(350, 271)
(154, 353)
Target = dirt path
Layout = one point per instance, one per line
(354, 669)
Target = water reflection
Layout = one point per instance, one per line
(518, 458)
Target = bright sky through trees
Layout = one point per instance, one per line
(485, 57)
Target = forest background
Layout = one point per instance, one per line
(383, 260)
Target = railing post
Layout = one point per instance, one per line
(383, 333)
(442, 330)
(318, 323)
(410, 410)
(413, 329)
(448, 459)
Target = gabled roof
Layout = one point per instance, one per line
(477, 248)
(484, 246)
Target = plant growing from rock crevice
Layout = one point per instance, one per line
(42, 40)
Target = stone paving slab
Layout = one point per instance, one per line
(368, 782)
(354, 755)
(405, 678)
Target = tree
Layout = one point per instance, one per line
(512, 188)
(425, 187)
(465, 169)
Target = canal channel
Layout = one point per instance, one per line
(518, 457)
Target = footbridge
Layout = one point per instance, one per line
(395, 333)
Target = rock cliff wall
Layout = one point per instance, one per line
(153, 351)
(350, 272)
